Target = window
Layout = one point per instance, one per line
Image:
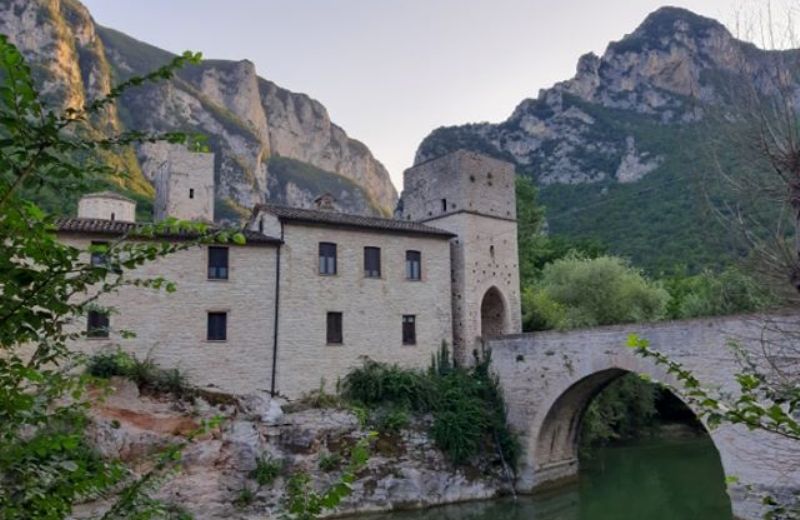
(97, 324)
(113, 217)
(99, 255)
(217, 326)
(191, 193)
(217, 263)
(413, 265)
(409, 329)
(334, 328)
(327, 258)
(444, 205)
(372, 262)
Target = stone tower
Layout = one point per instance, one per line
(185, 185)
(107, 205)
(473, 196)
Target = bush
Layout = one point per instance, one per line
(329, 461)
(267, 470)
(469, 414)
(579, 292)
(716, 294)
(148, 376)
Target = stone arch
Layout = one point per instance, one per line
(555, 445)
(494, 314)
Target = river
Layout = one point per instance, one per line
(645, 480)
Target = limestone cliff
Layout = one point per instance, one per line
(249, 121)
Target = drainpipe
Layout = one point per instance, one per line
(277, 312)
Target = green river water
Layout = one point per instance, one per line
(646, 480)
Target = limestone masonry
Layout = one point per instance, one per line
(314, 291)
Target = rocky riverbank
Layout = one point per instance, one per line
(216, 480)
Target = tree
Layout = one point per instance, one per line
(579, 292)
(46, 465)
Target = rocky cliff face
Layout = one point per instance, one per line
(672, 65)
(249, 121)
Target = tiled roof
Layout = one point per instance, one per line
(345, 220)
(108, 195)
(97, 226)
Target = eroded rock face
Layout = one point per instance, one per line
(405, 470)
(247, 119)
(579, 131)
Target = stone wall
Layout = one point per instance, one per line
(372, 308)
(549, 378)
(97, 206)
(172, 328)
(185, 185)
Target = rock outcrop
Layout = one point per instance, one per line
(248, 120)
(405, 470)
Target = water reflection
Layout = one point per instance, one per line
(654, 480)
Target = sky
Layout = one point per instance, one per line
(391, 71)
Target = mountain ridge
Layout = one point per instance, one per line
(250, 120)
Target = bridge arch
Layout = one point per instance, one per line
(494, 314)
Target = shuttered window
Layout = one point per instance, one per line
(327, 258)
(217, 326)
(372, 262)
(409, 329)
(217, 263)
(97, 324)
(413, 265)
(334, 329)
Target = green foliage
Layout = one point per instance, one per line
(625, 409)
(302, 502)
(148, 376)
(329, 461)
(319, 398)
(245, 498)
(579, 292)
(392, 419)
(469, 414)
(267, 470)
(716, 294)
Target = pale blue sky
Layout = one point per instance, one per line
(390, 71)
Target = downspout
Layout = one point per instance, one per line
(277, 312)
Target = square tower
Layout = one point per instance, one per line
(185, 185)
(474, 197)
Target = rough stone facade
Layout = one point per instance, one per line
(372, 308)
(185, 186)
(171, 327)
(472, 196)
(549, 378)
(108, 206)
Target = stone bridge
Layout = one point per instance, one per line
(550, 378)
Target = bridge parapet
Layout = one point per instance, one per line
(550, 378)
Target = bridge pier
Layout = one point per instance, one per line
(550, 378)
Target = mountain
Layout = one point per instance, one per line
(270, 143)
(620, 150)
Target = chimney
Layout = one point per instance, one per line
(325, 202)
(185, 185)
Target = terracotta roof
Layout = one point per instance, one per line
(96, 226)
(345, 220)
(107, 195)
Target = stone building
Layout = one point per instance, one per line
(314, 291)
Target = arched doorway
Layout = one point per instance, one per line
(493, 314)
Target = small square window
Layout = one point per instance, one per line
(97, 324)
(372, 262)
(334, 334)
(327, 258)
(217, 326)
(409, 329)
(191, 193)
(217, 263)
(413, 265)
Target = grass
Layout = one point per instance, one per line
(267, 470)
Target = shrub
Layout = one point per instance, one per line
(375, 384)
(314, 399)
(329, 461)
(245, 497)
(716, 294)
(107, 364)
(579, 292)
(392, 420)
(144, 372)
(267, 470)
